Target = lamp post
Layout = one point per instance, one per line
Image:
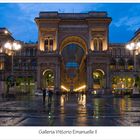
(134, 47)
(12, 46)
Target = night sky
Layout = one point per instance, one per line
(19, 18)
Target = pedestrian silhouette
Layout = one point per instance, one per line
(50, 95)
(44, 95)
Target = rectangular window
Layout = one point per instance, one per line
(122, 52)
(51, 42)
(113, 52)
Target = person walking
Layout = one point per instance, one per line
(50, 95)
(44, 95)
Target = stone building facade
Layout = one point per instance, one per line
(73, 53)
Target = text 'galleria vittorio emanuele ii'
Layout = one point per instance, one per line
(73, 54)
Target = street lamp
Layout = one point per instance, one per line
(12, 46)
(134, 47)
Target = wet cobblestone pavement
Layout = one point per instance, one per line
(70, 110)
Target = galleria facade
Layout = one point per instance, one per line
(73, 53)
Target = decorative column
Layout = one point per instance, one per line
(117, 63)
(57, 77)
(39, 76)
(108, 77)
(126, 63)
(89, 78)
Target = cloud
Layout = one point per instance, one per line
(32, 10)
(132, 21)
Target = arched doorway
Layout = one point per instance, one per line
(48, 79)
(73, 50)
(73, 56)
(98, 79)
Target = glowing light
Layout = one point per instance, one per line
(133, 46)
(8, 45)
(138, 44)
(94, 92)
(80, 88)
(137, 53)
(6, 32)
(129, 79)
(64, 88)
(16, 46)
(129, 47)
(12, 46)
(1, 50)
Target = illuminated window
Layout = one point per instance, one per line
(1, 65)
(95, 45)
(1, 50)
(48, 44)
(51, 44)
(98, 44)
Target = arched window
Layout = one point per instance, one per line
(48, 44)
(100, 45)
(1, 49)
(95, 45)
(1, 65)
(51, 44)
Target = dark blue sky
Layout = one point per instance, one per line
(19, 18)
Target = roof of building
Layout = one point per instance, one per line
(5, 31)
(56, 15)
(137, 31)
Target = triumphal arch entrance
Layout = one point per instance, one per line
(73, 51)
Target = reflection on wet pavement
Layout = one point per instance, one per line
(70, 110)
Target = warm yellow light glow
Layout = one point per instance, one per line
(1, 65)
(80, 88)
(129, 79)
(6, 32)
(64, 88)
(94, 92)
(16, 46)
(1, 50)
(132, 44)
(8, 45)
(129, 47)
(138, 44)
(12, 46)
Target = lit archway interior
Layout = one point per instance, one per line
(98, 79)
(48, 77)
(72, 69)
